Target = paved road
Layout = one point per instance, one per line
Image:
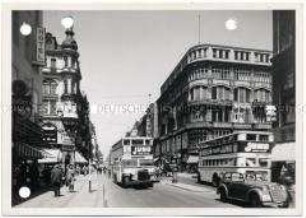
(107, 194)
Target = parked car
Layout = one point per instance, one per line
(252, 189)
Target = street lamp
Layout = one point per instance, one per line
(67, 22)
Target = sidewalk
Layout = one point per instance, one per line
(81, 197)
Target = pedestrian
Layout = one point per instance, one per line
(70, 178)
(56, 179)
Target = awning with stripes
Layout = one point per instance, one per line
(24, 150)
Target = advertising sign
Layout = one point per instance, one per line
(40, 45)
(141, 150)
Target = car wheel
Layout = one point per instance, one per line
(255, 201)
(223, 196)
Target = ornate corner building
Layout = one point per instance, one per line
(214, 90)
(64, 108)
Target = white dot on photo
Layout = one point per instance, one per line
(24, 192)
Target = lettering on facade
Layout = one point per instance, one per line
(40, 45)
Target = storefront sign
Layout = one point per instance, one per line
(257, 147)
(40, 46)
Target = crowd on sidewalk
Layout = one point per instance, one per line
(50, 177)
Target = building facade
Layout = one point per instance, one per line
(27, 134)
(213, 91)
(62, 99)
(284, 92)
(147, 125)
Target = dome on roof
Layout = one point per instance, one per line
(69, 42)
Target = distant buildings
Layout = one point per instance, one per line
(213, 91)
(147, 125)
(65, 109)
(284, 155)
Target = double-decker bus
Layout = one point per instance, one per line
(246, 152)
(132, 161)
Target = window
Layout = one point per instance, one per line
(251, 137)
(65, 86)
(263, 138)
(66, 61)
(49, 87)
(45, 107)
(263, 162)
(52, 107)
(214, 52)
(53, 85)
(53, 63)
(46, 87)
(214, 93)
(126, 142)
(242, 95)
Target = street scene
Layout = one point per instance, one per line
(104, 193)
(165, 109)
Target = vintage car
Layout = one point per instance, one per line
(253, 190)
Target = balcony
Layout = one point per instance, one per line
(262, 126)
(214, 102)
(200, 124)
(242, 125)
(222, 125)
(50, 96)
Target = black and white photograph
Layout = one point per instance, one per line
(153, 109)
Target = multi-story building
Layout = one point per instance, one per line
(213, 91)
(62, 98)
(147, 125)
(284, 89)
(27, 58)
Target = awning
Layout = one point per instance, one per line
(27, 151)
(51, 156)
(79, 158)
(284, 152)
(193, 159)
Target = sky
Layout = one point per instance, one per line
(125, 56)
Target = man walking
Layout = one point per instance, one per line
(56, 179)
